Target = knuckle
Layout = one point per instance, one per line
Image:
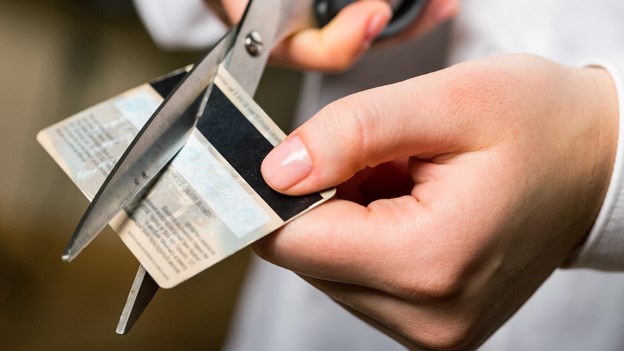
(444, 336)
(439, 275)
(442, 280)
(439, 284)
(347, 117)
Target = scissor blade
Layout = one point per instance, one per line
(268, 17)
(141, 293)
(155, 145)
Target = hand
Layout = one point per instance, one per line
(459, 193)
(342, 42)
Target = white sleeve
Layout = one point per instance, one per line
(604, 247)
(180, 24)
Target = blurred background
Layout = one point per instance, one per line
(57, 58)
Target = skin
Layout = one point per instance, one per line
(346, 38)
(459, 192)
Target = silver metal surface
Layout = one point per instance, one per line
(273, 20)
(141, 293)
(153, 147)
(253, 43)
(246, 68)
(167, 130)
(169, 127)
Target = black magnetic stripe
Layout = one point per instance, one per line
(165, 85)
(244, 147)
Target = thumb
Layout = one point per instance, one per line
(359, 131)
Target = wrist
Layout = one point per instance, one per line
(602, 99)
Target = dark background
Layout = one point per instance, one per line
(57, 58)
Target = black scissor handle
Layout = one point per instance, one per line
(404, 14)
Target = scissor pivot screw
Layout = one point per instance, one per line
(254, 43)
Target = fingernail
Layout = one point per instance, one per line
(376, 25)
(287, 164)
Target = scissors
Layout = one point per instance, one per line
(243, 51)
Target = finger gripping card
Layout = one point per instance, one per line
(245, 149)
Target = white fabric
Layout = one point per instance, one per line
(576, 309)
(180, 24)
(604, 248)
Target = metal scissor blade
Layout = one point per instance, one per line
(155, 145)
(272, 19)
(141, 293)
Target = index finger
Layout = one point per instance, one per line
(343, 241)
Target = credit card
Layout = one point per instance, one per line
(209, 203)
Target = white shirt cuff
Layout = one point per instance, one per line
(604, 247)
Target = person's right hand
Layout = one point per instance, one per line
(339, 44)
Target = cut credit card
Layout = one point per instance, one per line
(209, 203)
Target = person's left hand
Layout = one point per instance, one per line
(460, 192)
(340, 43)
